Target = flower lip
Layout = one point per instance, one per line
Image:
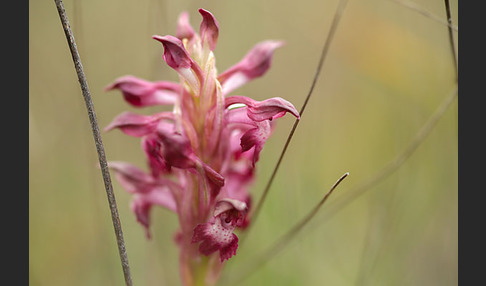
(217, 234)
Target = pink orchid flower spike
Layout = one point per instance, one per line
(201, 157)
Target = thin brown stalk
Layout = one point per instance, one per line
(416, 8)
(284, 240)
(451, 37)
(334, 25)
(98, 142)
(396, 163)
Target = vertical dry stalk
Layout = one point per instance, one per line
(451, 37)
(274, 249)
(325, 49)
(97, 138)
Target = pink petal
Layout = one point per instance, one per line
(140, 93)
(137, 125)
(209, 29)
(141, 209)
(247, 219)
(184, 28)
(251, 138)
(161, 196)
(255, 133)
(147, 191)
(256, 137)
(271, 108)
(152, 148)
(253, 65)
(227, 204)
(155, 191)
(177, 149)
(142, 204)
(178, 152)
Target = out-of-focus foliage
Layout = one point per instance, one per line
(386, 72)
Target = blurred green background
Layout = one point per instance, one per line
(387, 71)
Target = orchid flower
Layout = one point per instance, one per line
(201, 156)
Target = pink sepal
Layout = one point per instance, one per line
(209, 29)
(147, 191)
(140, 93)
(136, 124)
(184, 28)
(133, 179)
(142, 204)
(141, 209)
(254, 133)
(256, 138)
(177, 57)
(268, 109)
(256, 63)
(152, 148)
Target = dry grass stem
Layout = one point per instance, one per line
(266, 255)
(337, 17)
(98, 142)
